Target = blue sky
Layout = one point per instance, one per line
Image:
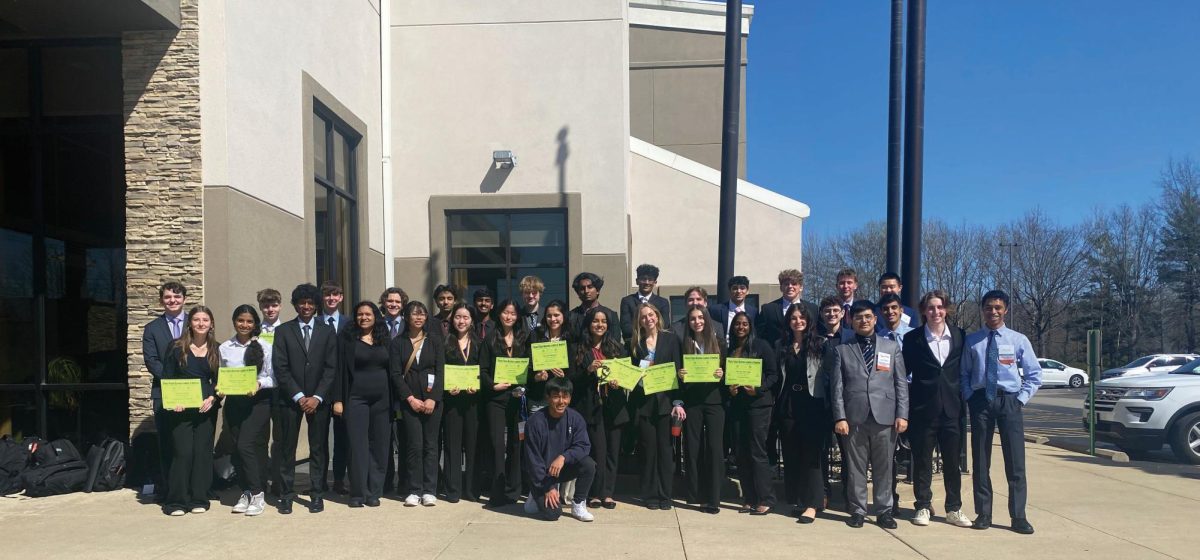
(1063, 105)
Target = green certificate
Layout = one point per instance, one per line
(514, 371)
(549, 355)
(743, 371)
(181, 392)
(237, 380)
(462, 377)
(659, 378)
(701, 367)
(267, 338)
(624, 373)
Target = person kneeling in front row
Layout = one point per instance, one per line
(556, 451)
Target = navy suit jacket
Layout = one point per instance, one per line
(629, 306)
(771, 325)
(156, 343)
(720, 313)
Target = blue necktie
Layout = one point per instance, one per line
(991, 368)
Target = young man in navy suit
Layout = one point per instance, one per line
(889, 283)
(771, 324)
(647, 281)
(847, 287)
(722, 313)
(157, 337)
(331, 315)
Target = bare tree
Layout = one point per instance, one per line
(1122, 257)
(1179, 253)
(952, 263)
(1047, 273)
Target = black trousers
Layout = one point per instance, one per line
(923, 436)
(502, 420)
(583, 473)
(703, 432)
(286, 417)
(805, 452)
(461, 443)
(162, 425)
(606, 452)
(658, 460)
(1004, 412)
(421, 432)
(248, 421)
(340, 448)
(396, 478)
(191, 471)
(753, 469)
(367, 418)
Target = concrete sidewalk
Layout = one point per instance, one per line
(1081, 508)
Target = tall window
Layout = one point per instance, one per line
(334, 191)
(497, 249)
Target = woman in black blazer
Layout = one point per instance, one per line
(461, 421)
(553, 328)
(603, 404)
(704, 403)
(802, 411)
(418, 359)
(195, 355)
(652, 345)
(751, 409)
(362, 398)
(505, 404)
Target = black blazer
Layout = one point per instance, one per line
(629, 306)
(310, 371)
(703, 393)
(536, 390)
(678, 328)
(765, 393)
(771, 325)
(578, 330)
(933, 391)
(594, 402)
(719, 312)
(344, 382)
(666, 350)
(454, 357)
(432, 361)
(493, 347)
(846, 317)
(156, 342)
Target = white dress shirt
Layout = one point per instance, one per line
(939, 344)
(233, 354)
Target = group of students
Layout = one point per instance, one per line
(865, 371)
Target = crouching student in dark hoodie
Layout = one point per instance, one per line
(556, 451)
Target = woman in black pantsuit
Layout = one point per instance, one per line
(601, 403)
(362, 397)
(802, 410)
(195, 355)
(652, 345)
(417, 365)
(751, 409)
(504, 404)
(460, 421)
(704, 429)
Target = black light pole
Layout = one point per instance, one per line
(914, 138)
(731, 103)
(895, 119)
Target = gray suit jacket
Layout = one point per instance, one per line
(857, 394)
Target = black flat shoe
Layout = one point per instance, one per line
(886, 521)
(451, 500)
(285, 506)
(982, 522)
(757, 511)
(712, 510)
(856, 520)
(805, 520)
(317, 505)
(355, 503)
(610, 504)
(746, 509)
(372, 502)
(665, 505)
(651, 505)
(1022, 526)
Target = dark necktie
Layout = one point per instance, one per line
(332, 323)
(868, 352)
(991, 368)
(307, 336)
(393, 328)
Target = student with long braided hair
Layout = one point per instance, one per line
(248, 417)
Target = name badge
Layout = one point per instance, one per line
(1008, 354)
(883, 362)
(429, 382)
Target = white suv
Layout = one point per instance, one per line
(1148, 365)
(1144, 412)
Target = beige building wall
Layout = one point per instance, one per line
(548, 80)
(676, 77)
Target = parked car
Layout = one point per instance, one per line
(1144, 412)
(1147, 365)
(1055, 372)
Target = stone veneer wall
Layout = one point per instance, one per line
(164, 210)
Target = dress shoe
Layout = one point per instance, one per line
(652, 504)
(450, 500)
(355, 503)
(805, 520)
(665, 505)
(500, 502)
(885, 520)
(285, 506)
(1022, 526)
(317, 505)
(609, 504)
(982, 522)
(372, 502)
(712, 510)
(856, 520)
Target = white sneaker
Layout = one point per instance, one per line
(243, 503)
(921, 518)
(412, 500)
(258, 502)
(177, 513)
(579, 511)
(957, 518)
(531, 506)
(428, 500)
(199, 509)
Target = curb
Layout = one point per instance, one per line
(1112, 454)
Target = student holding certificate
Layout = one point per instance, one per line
(602, 403)
(504, 404)
(703, 396)
(460, 421)
(751, 409)
(195, 355)
(248, 415)
(361, 398)
(417, 366)
(802, 411)
(652, 345)
(554, 328)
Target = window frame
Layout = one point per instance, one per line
(353, 139)
(506, 241)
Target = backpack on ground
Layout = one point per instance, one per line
(14, 460)
(106, 466)
(57, 469)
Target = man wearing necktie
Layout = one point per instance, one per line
(531, 288)
(157, 337)
(647, 282)
(331, 315)
(996, 393)
(847, 287)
